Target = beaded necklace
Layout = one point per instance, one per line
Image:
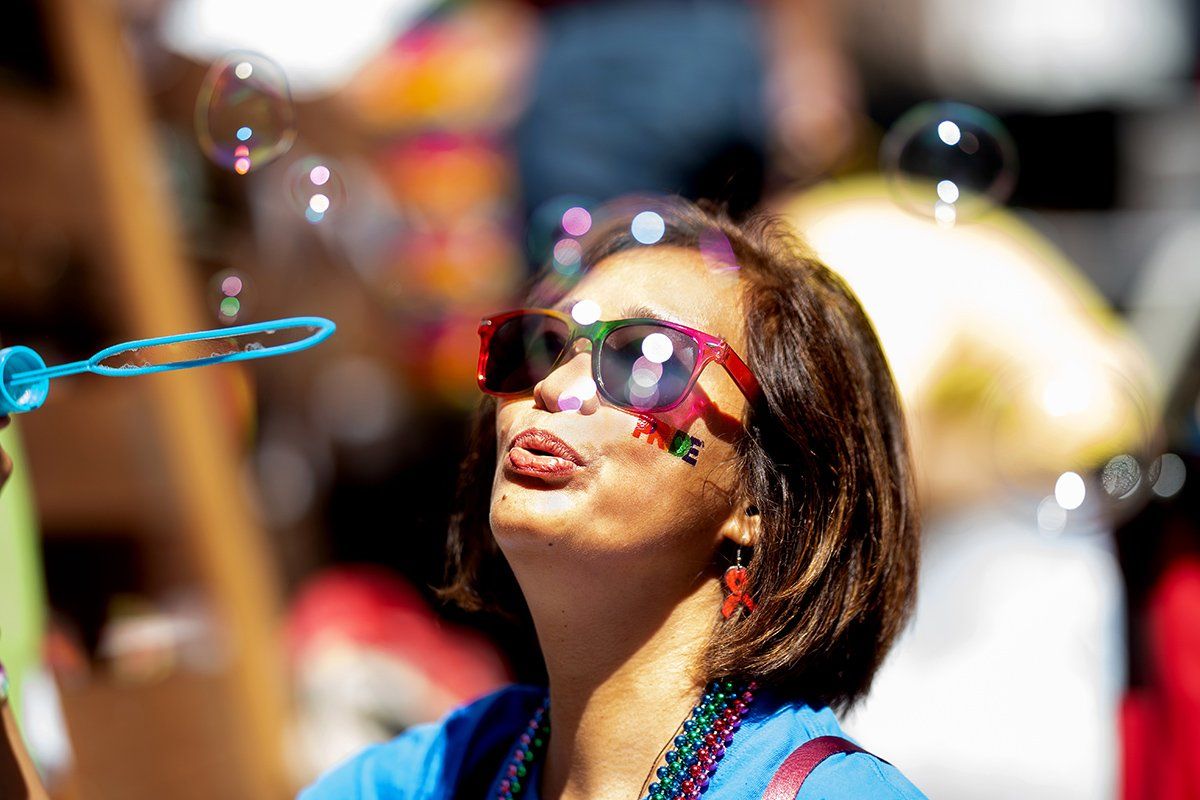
(690, 764)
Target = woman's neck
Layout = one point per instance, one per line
(621, 680)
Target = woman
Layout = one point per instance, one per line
(691, 476)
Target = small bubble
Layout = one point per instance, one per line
(316, 188)
(229, 290)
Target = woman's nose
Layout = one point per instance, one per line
(570, 387)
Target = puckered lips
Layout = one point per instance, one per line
(539, 453)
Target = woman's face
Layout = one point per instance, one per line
(636, 491)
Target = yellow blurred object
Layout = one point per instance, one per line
(463, 70)
(1013, 366)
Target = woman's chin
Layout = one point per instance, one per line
(520, 513)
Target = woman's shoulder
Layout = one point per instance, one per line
(773, 731)
(423, 762)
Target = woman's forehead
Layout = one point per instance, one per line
(669, 283)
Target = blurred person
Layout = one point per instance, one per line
(683, 96)
(18, 776)
(369, 658)
(714, 559)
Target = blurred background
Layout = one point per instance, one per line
(219, 582)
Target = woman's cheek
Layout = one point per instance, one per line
(665, 451)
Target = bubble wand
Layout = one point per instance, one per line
(25, 378)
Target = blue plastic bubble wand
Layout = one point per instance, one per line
(25, 378)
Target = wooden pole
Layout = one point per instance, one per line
(159, 296)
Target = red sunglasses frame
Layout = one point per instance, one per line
(713, 349)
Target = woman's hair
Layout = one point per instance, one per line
(825, 459)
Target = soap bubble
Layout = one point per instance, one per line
(230, 291)
(315, 188)
(949, 161)
(244, 113)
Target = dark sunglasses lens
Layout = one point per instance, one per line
(523, 351)
(647, 366)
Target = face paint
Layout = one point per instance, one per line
(677, 443)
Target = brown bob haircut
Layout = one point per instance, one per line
(825, 459)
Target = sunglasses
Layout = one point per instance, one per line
(645, 365)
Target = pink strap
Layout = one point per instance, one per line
(804, 759)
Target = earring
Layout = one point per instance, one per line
(737, 582)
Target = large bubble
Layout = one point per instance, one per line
(244, 114)
(949, 161)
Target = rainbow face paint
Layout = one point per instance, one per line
(679, 444)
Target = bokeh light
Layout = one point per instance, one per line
(646, 373)
(576, 394)
(949, 162)
(567, 256)
(657, 347)
(1070, 490)
(585, 312)
(1122, 476)
(244, 116)
(1051, 517)
(648, 227)
(576, 221)
(1172, 474)
(316, 188)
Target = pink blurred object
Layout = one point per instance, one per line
(369, 658)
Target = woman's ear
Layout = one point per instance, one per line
(743, 525)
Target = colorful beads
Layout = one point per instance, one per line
(528, 745)
(706, 733)
(690, 764)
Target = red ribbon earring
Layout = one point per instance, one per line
(736, 581)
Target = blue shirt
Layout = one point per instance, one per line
(459, 757)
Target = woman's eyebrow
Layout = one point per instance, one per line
(640, 310)
(633, 311)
